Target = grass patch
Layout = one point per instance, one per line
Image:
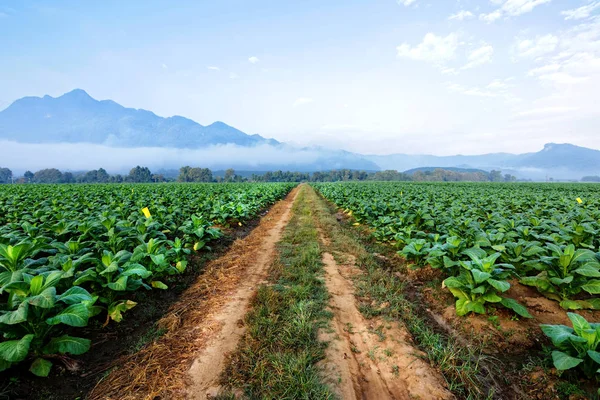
(379, 284)
(277, 356)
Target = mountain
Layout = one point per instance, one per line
(76, 117)
(453, 169)
(560, 161)
(80, 130)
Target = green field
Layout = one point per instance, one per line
(485, 236)
(70, 254)
(487, 280)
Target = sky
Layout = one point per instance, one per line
(373, 76)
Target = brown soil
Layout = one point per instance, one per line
(116, 340)
(207, 367)
(371, 359)
(203, 325)
(502, 333)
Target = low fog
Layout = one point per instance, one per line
(20, 157)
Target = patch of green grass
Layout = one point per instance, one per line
(277, 356)
(380, 284)
(566, 389)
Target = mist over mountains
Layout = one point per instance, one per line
(75, 131)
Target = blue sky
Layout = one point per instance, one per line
(377, 76)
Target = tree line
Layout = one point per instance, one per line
(195, 174)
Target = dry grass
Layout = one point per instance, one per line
(160, 369)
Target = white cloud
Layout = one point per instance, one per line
(164, 66)
(499, 88)
(480, 56)
(581, 12)
(233, 75)
(254, 60)
(302, 101)
(563, 78)
(434, 49)
(461, 15)
(406, 2)
(544, 70)
(491, 17)
(449, 71)
(213, 68)
(511, 8)
(537, 47)
(339, 127)
(542, 111)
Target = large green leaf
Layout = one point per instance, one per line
(516, 307)
(594, 355)
(579, 323)
(501, 286)
(15, 350)
(563, 361)
(588, 270)
(35, 286)
(592, 286)
(74, 315)
(17, 316)
(136, 269)
(557, 333)
(46, 299)
(67, 345)
(480, 276)
(119, 285)
(75, 295)
(40, 367)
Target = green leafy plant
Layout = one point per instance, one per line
(481, 281)
(566, 273)
(577, 347)
(416, 250)
(34, 314)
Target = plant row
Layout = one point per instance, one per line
(483, 236)
(70, 254)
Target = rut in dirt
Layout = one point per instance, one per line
(204, 325)
(207, 368)
(371, 359)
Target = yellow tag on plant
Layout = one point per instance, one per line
(579, 200)
(146, 212)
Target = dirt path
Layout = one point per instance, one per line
(371, 359)
(228, 320)
(204, 325)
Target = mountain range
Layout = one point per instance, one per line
(77, 118)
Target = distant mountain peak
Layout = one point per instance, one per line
(76, 117)
(77, 94)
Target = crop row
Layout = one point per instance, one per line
(72, 253)
(485, 235)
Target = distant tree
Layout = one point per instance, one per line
(229, 175)
(509, 178)
(116, 178)
(189, 174)
(496, 176)
(102, 176)
(68, 178)
(139, 175)
(50, 175)
(28, 176)
(5, 175)
(158, 178)
(594, 178)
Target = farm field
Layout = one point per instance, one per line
(77, 257)
(341, 290)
